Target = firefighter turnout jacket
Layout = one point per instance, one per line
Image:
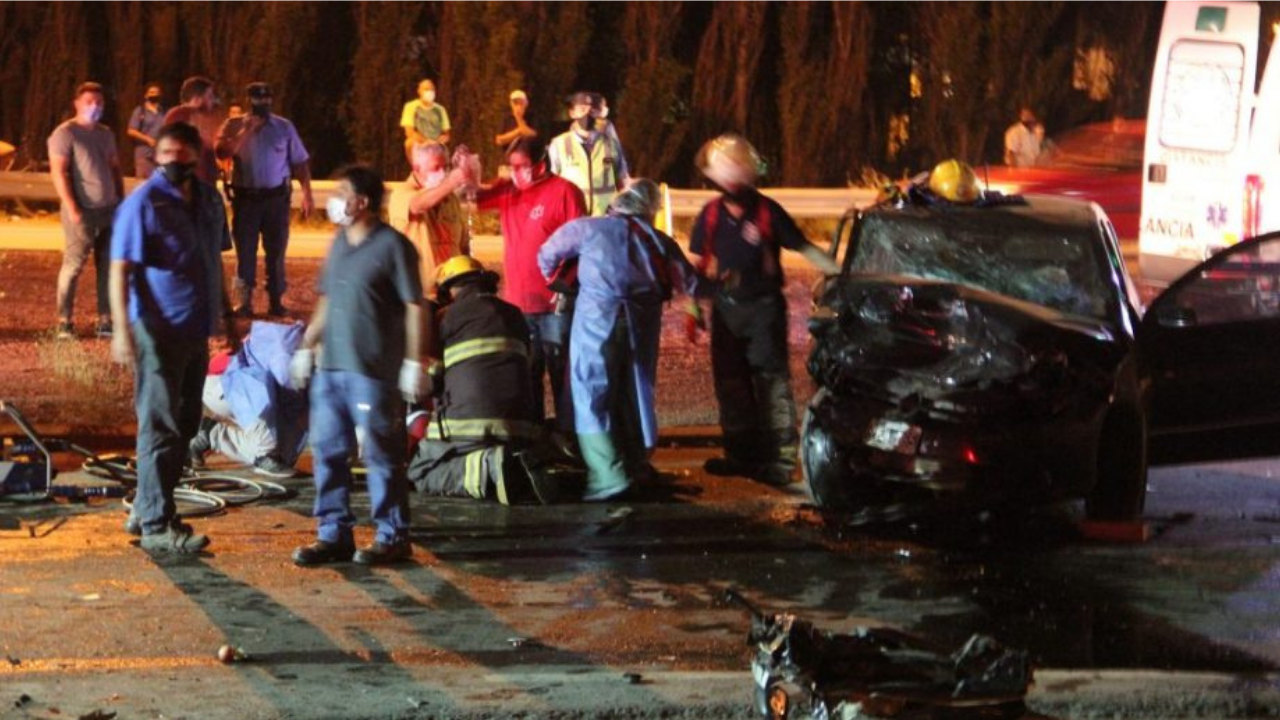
(487, 394)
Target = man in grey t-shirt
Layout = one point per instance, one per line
(86, 174)
(370, 324)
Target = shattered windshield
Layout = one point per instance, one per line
(1009, 254)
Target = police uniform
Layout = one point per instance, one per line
(260, 187)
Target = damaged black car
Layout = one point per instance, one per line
(998, 353)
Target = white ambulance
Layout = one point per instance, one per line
(1212, 157)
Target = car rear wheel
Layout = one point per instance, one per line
(1120, 491)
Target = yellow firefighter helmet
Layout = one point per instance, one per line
(456, 267)
(955, 181)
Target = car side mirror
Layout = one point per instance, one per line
(1174, 316)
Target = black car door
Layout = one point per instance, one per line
(1210, 344)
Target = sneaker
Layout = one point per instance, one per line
(200, 446)
(65, 331)
(132, 526)
(726, 467)
(277, 309)
(323, 553)
(103, 331)
(383, 553)
(177, 538)
(272, 466)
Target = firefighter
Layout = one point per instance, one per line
(627, 270)
(737, 241)
(485, 412)
(588, 158)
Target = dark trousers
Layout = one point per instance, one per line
(91, 235)
(549, 354)
(269, 217)
(167, 389)
(753, 380)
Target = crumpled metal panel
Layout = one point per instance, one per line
(898, 338)
(802, 671)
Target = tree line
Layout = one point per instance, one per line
(826, 90)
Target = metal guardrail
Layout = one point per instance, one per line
(799, 202)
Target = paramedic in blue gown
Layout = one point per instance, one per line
(627, 270)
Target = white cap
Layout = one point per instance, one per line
(519, 95)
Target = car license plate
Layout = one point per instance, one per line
(894, 436)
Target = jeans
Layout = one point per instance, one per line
(268, 216)
(341, 401)
(167, 386)
(549, 353)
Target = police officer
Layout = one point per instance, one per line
(266, 153)
(588, 158)
(738, 238)
(485, 411)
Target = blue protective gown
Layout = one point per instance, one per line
(619, 264)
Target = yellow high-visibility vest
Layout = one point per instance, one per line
(595, 174)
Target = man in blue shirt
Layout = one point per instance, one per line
(266, 153)
(166, 300)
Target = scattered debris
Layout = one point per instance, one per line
(98, 715)
(634, 678)
(801, 671)
(13, 660)
(416, 704)
(23, 699)
(230, 654)
(91, 597)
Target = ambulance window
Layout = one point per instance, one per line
(1202, 96)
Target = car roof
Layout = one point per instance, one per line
(1045, 211)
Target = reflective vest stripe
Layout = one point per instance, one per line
(500, 480)
(473, 478)
(468, 349)
(480, 428)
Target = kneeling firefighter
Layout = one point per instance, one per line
(485, 412)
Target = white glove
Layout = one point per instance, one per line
(413, 382)
(300, 367)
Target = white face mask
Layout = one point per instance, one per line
(336, 208)
(93, 113)
(429, 96)
(522, 178)
(433, 178)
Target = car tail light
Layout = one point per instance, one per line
(970, 456)
(1252, 205)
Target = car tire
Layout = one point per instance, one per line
(1120, 489)
(834, 484)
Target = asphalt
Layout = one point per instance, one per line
(617, 611)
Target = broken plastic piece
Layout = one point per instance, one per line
(802, 671)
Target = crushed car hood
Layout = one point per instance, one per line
(955, 347)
